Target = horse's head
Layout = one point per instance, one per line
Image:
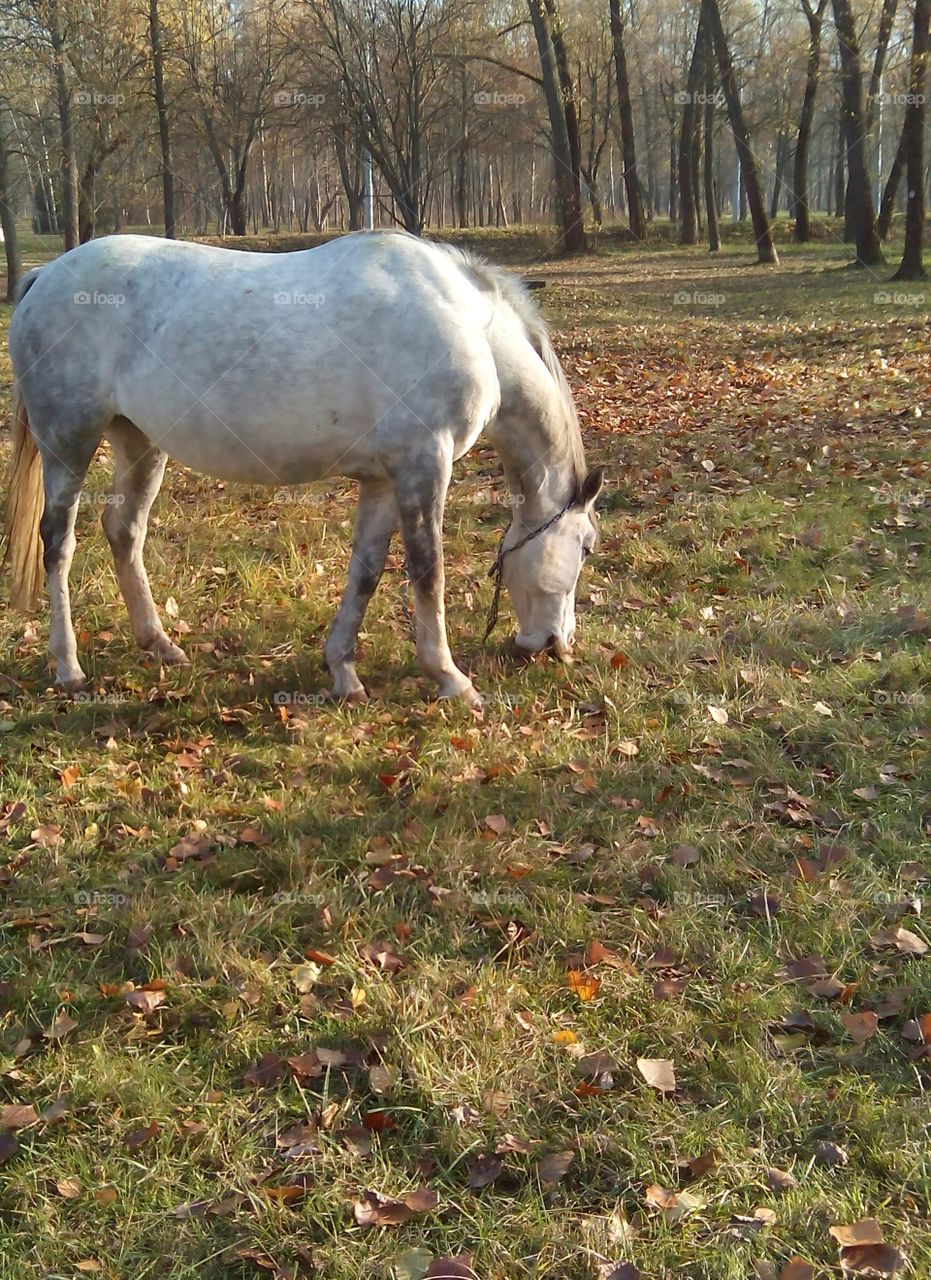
(541, 570)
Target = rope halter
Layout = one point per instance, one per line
(497, 569)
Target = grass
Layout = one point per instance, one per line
(764, 554)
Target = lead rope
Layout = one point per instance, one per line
(497, 569)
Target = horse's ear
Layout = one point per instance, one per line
(590, 488)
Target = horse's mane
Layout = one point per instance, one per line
(512, 291)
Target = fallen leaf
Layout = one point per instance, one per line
(554, 1167)
(17, 1116)
(871, 1260)
(584, 985)
(659, 1073)
(139, 1137)
(866, 1231)
(485, 1171)
(860, 1026)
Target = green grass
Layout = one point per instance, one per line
(789, 586)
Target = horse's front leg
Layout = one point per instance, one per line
(376, 521)
(420, 493)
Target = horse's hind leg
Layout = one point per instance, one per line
(376, 521)
(139, 468)
(63, 477)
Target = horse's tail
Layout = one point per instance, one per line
(25, 504)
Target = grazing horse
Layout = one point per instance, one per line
(376, 356)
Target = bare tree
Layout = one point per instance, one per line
(568, 187)
(156, 45)
(912, 265)
(635, 214)
(766, 249)
(800, 207)
(859, 202)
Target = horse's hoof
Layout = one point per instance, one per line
(353, 697)
(72, 684)
(170, 655)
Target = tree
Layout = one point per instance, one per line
(7, 219)
(766, 249)
(859, 203)
(711, 195)
(800, 208)
(688, 212)
(156, 45)
(635, 215)
(912, 266)
(568, 188)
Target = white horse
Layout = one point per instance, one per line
(376, 356)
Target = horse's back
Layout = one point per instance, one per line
(265, 367)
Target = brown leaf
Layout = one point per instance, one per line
(63, 1024)
(829, 1154)
(373, 1210)
(686, 855)
(8, 1145)
(554, 1167)
(451, 1268)
(860, 1026)
(623, 1271)
(797, 1269)
(866, 1231)
(267, 1071)
(901, 939)
(659, 1073)
(383, 956)
(144, 1001)
(779, 1180)
(68, 1188)
(871, 1260)
(254, 836)
(484, 1171)
(17, 1116)
(139, 1137)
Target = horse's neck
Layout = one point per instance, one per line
(539, 472)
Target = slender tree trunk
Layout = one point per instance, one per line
(891, 189)
(688, 218)
(68, 165)
(161, 106)
(801, 210)
(572, 233)
(912, 266)
(859, 195)
(766, 249)
(711, 198)
(7, 221)
(635, 214)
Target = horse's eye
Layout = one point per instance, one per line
(586, 551)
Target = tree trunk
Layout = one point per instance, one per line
(688, 219)
(568, 189)
(766, 249)
(161, 106)
(711, 198)
(886, 23)
(859, 196)
(891, 189)
(68, 166)
(801, 210)
(7, 221)
(635, 214)
(912, 266)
